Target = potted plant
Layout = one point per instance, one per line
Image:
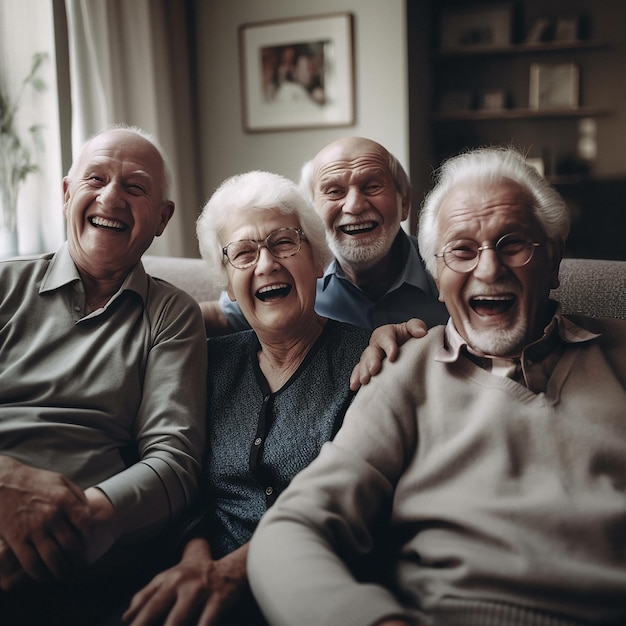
(16, 162)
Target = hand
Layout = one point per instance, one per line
(384, 342)
(44, 518)
(11, 572)
(198, 588)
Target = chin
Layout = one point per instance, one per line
(503, 342)
(362, 256)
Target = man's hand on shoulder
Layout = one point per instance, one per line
(384, 343)
(44, 519)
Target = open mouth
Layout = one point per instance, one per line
(492, 305)
(107, 224)
(273, 292)
(358, 229)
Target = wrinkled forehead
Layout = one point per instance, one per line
(342, 160)
(472, 204)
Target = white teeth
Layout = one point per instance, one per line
(503, 298)
(273, 288)
(107, 223)
(353, 227)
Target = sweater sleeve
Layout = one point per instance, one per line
(301, 554)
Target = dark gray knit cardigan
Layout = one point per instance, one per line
(258, 440)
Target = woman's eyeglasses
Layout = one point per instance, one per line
(281, 243)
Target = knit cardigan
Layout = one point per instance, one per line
(493, 505)
(258, 440)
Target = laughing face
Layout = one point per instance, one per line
(114, 202)
(275, 295)
(358, 201)
(496, 309)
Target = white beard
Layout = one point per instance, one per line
(358, 255)
(505, 342)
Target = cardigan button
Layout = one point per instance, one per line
(269, 491)
(258, 441)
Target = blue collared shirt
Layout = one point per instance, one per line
(413, 294)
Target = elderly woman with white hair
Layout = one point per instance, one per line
(276, 392)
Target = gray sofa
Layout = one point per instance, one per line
(590, 286)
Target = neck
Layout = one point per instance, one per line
(375, 280)
(280, 358)
(98, 291)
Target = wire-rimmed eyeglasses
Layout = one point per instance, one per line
(281, 243)
(462, 255)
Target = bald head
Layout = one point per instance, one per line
(352, 150)
(362, 194)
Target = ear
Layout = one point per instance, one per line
(66, 194)
(406, 205)
(167, 210)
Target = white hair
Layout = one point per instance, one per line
(255, 190)
(487, 165)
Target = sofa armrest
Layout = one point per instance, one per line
(593, 287)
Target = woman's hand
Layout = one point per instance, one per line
(384, 342)
(198, 588)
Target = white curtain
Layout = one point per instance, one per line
(130, 62)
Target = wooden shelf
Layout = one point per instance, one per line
(517, 114)
(522, 48)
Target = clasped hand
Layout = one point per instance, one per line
(44, 520)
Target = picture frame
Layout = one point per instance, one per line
(492, 100)
(297, 73)
(554, 86)
(485, 26)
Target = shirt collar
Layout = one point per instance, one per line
(566, 330)
(413, 272)
(62, 271)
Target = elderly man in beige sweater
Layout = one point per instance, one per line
(480, 478)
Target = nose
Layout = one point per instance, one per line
(267, 262)
(354, 202)
(111, 195)
(489, 267)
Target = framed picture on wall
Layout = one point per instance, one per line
(486, 26)
(297, 73)
(553, 85)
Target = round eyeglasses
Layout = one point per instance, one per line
(462, 255)
(281, 243)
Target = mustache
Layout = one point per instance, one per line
(504, 286)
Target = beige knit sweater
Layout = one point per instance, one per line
(506, 507)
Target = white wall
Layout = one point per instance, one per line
(380, 86)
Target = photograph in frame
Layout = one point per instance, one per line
(297, 73)
(476, 27)
(553, 86)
